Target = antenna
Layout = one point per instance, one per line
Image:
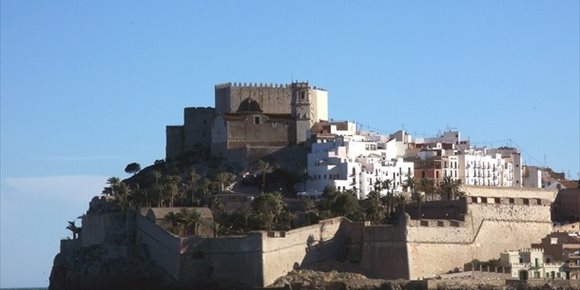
(545, 159)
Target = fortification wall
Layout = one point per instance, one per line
(489, 228)
(174, 139)
(440, 209)
(384, 252)
(265, 132)
(222, 260)
(102, 228)
(285, 251)
(510, 192)
(275, 99)
(159, 245)
(197, 126)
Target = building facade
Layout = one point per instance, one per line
(347, 160)
(250, 121)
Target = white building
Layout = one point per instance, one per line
(476, 167)
(350, 161)
(532, 264)
(532, 177)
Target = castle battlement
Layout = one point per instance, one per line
(507, 201)
(294, 84)
(252, 85)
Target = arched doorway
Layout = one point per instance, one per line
(523, 275)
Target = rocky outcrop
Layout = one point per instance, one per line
(92, 268)
(333, 280)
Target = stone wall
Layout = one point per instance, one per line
(286, 251)
(509, 192)
(259, 130)
(197, 126)
(488, 229)
(159, 246)
(235, 260)
(441, 209)
(254, 260)
(275, 99)
(384, 252)
(174, 140)
(103, 228)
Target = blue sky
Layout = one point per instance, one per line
(87, 87)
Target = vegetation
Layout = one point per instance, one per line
(74, 229)
(185, 222)
(193, 180)
(133, 168)
(450, 189)
(264, 167)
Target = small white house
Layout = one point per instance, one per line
(532, 264)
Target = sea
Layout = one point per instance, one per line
(24, 288)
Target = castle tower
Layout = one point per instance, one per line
(301, 110)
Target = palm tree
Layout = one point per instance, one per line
(74, 229)
(172, 187)
(156, 174)
(268, 208)
(113, 183)
(192, 179)
(428, 186)
(190, 220)
(450, 188)
(122, 197)
(175, 220)
(308, 206)
(137, 197)
(374, 210)
(388, 199)
(222, 179)
(401, 200)
(264, 167)
(416, 195)
(205, 185)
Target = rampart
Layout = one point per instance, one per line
(509, 192)
(255, 259)
(425, 248)
(474, 227)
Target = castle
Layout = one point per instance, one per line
(250, 121)
(448, 235)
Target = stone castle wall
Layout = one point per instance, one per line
(174, 140)
(491, 191)
(384, 252)
(159, 245)
(197, 125)
(267, 132)
(488, 229)
(232, 259)
(255, 259)
(285, 251)
(425, 248)
(412, 249)
(273, 99)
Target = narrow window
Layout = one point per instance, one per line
(257, 120)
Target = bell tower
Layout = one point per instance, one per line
(301, 110)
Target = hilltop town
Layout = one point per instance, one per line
(265, 185)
